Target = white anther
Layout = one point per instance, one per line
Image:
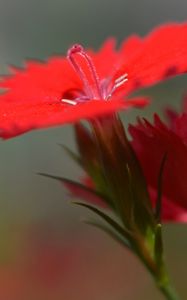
(117, 83)
(68, 101)
(122, 78)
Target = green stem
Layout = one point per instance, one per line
(168, 291)
(162, 280)
(160, 275)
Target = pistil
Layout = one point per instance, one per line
(92, 93)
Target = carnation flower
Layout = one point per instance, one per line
(94, 85)
(151, 142)
(87, 84)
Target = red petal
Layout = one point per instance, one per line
(132, 44)
(181, 127)
(161, 54)
(106, 59)
(150, 143)
(171, 212)
(49, 81)
(17, 118)
(172, 116)
(40, 82)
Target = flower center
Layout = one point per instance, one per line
(94, 88)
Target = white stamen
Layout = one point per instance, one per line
(118, 82)
(122, 78)
(68, 101)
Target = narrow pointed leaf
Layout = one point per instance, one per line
(127, 234)
(80, 191)
(109, 231)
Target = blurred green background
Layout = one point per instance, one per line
(45, 251)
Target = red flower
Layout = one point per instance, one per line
(87, 84)
(151, 143)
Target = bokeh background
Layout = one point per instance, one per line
(45, 251)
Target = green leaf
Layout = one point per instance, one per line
(73, 184)
(111, 232)
(122, 231)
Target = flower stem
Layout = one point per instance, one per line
(169, 292)
(163, 282)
